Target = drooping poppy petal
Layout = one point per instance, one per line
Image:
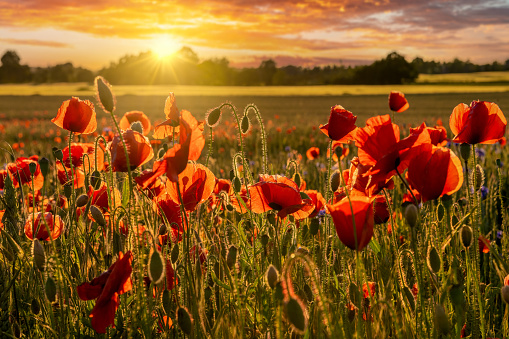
(107, 288)
(435, 172)
(20, 173)
(196, 184)
(318, 201)
(364, 221)
(40, 228)
(75, 115)
(341, 124)
(138, 148)
(398, 102)
(155, 188)
(133, 116)
(480, 123)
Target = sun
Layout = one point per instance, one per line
(164, 47)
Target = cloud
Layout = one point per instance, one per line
(33, 42)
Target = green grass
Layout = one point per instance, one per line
(479, 78)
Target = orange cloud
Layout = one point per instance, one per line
(33, 42)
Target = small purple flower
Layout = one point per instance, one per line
(500, 234)
(484, 192)
(480, 152)
(288, 148)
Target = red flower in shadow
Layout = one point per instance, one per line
(64, 175)
(312, 153)
(20, 172)
(170, 211)
(480, 123)
(51, 223)
(106, 288)
(133, 116)
(434, 172)
(341, 124)
(75, 115)
(397, 102)
(83, 156)
(138, 147)
(364, 221)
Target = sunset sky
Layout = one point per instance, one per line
(93, 33)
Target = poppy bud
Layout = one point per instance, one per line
(163, 229)
(231, 257)
(39, 255)
(137, 126)
(466, 236)
(213, 116)
(44, 164)
(104, 94)
(35, 307)
(166, 301)
(411, 215)
(465, 151)
(175, 253)
(245, 124)
(264, 239)
(441, 321)
(272, 276)
(334, 181)
(505, 293)
(434, 261)
(161, 153)
(499, 163)
(50, 289)
(97, 215)
(82, 200)
(32, 167)
(296, 315)
(478, 180)
(314, 227)
(68, 189)
(156, 267)
(59, 155)
(297, 179)
(410, 297)
(236, 184)
(95, 179)
(440, 212)
(184, 320)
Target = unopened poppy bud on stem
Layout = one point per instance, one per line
(104, 94)
(335, 181)
(82, 200)
(465, 151)
(97, 215)
(505, 293)
(411, 215)
(272, 276)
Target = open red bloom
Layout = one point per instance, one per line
(196, 184)
(379, 145)
(312, 153)
(133, 116)
(171, 124)
(83, 156)
(480, 123)
(20, 172)
(51, 223)
(341, 123)
(170, 211)
(138, 147)
(155, 188)
(279, 196)
(318, 201)
(75, 115)
(437, 134)
(381, 210)
(397, 102)
(106, 288)
(434, 172)
(64, 175)
(357, 182)
(364, 221)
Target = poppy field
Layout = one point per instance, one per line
(115, 224)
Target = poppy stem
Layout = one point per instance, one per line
(407, 187)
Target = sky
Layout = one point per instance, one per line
(94, 33)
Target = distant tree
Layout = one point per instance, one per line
(267, 69)
(12, 71)
(393, 69)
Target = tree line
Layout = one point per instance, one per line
(185, 68)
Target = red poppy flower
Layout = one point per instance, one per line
(133, 116)
(364, 221)
(357, 181)
(368, 292)
(76, 116)
(480, 123)
(170, 211)
(40, 227)
(3, 175)
(189, 147)
(341, 123)
(438, 135)
(138, 147)
(20, 172)
(2, 212)
(83, 156)
(64, 175)
(155, 188)
(106, 288)
(484, 244)
(279, 196)
(222, 185)
(196, 184)
(379, 145)
(434, 172)
(397, 102)
(171, 125)
(313, 153)
(318, 201)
